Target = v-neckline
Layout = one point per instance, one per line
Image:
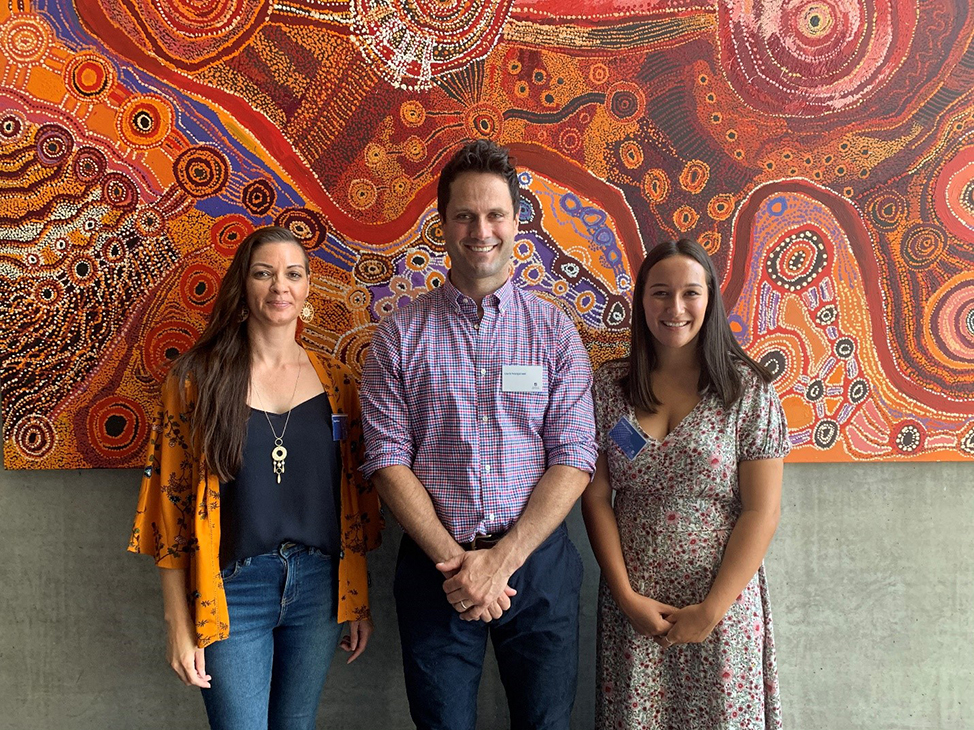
(677, 427)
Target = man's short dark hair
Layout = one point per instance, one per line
(481, 155)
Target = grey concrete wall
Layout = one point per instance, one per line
(872, 579)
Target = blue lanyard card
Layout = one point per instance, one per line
(339, 426)
(627, 438)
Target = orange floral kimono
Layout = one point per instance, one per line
(178, 517)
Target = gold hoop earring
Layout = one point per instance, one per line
(307, 313)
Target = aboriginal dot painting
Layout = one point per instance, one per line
(821, 150)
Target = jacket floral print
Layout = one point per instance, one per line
(178, 516)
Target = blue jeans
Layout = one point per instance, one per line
(269, 673)
(535, 641)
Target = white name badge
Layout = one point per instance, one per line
(522, 379)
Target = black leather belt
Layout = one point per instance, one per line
(484, 542)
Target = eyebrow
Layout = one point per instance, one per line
(270, 266)
(659, 284)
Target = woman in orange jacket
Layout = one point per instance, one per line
(252, 504)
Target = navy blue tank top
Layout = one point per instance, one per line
(257, 514)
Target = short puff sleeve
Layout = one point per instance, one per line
(762, 431)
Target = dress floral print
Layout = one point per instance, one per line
(676, 503)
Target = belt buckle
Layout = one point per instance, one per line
(484, 542)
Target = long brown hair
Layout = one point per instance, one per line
(218, 365)
(718, 351)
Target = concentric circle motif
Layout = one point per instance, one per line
(922, 245)
(13, 125)
(625, 101)
(908, 437)
(144, 121)
(415, 149)
(656, 185)
(228, 233)
(412, 113)
(48, 292)
(89, 77)
(721, 206)
(710, 240)
(113, 250)
(164, 343)
(54, 145)
(815, 391)
(694, 177)
(417, 260)
(797, 260)
(362, 193)
(825, 434)
(373, 269)
(82, 269)
(887, 210)
(25, 38)
(775, 362)
(89, 165)
(435, 279)
(34, 436)
(844, 347)
(953, 194)
(358, 298)
(685, 218)
(118, 191)
(198, 287)
(117, 427)
(806, 58)
(584, 302)
(826, 315)
(484, 120)
(631, 154)
(258, 197)
(858, 390)
(410, 43)
(950, 328)
(202, 171)
(432, 234)
(149, 222)
(569, 140)
(598, 73)
(781, 354)
(308, 226)
(617, 313)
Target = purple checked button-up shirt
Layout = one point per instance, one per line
(455, 400)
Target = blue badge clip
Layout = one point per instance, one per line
(339, 426)
(628, 438)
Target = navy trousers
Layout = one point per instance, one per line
(535, 641)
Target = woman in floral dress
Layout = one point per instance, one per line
(692, 438)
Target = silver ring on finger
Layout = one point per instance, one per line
(463, 605)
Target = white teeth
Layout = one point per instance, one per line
(481, 249)
(675, 324)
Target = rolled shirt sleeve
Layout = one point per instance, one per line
(569, 430)
(385, 414)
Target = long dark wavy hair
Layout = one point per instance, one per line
(718, 351)
(218, 365)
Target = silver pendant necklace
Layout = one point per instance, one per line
(279, 453)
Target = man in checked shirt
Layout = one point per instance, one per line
(480, 437)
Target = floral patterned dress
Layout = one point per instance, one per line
(676, 503)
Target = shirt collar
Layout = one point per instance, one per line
(461, 302)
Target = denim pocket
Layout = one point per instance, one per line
(232, 570)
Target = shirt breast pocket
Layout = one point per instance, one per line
(523, 410)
